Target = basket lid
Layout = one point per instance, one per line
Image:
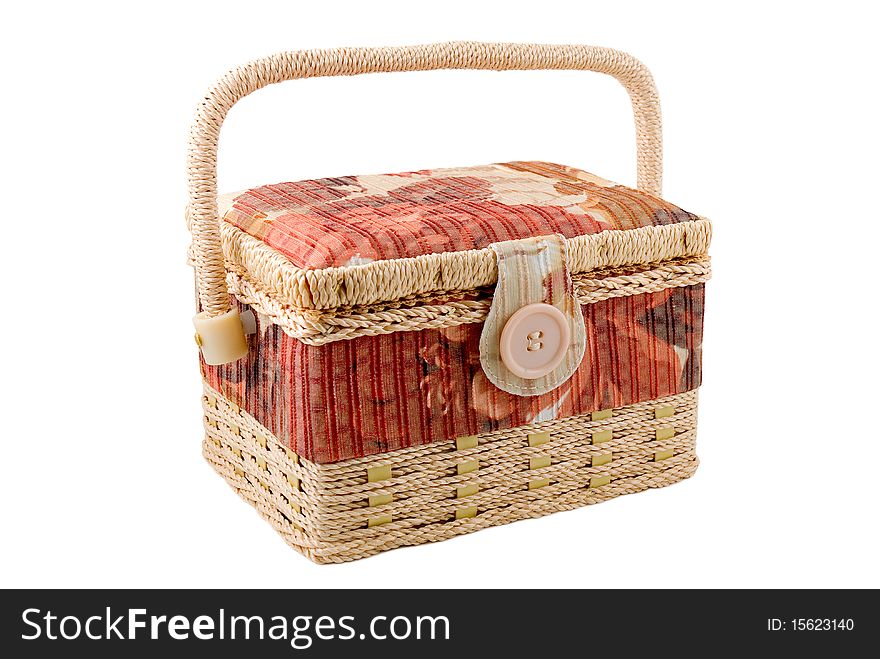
(329, 244)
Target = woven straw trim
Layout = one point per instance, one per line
(323, 511)
(431, 274)
(238, 83)
(318, 328)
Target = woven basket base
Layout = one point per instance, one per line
(347, 510)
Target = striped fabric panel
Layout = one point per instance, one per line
(369, 395)
(352, 220)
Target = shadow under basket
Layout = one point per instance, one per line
(333, 513)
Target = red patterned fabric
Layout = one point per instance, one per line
(369, 395)
(353, 220)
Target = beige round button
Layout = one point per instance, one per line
(535, 340)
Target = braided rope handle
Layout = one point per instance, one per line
(238, 83)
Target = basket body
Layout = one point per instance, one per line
(361, 418)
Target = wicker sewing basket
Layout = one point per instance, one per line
(399, 359)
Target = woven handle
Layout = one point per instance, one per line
(238, 83)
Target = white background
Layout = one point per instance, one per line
(770, 114)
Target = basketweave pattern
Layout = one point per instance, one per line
(397, 280)
(318, 327)
(355, 508)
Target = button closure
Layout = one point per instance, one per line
(535, 308)
(534, 340)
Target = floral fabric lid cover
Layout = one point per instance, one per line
(354, 220)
